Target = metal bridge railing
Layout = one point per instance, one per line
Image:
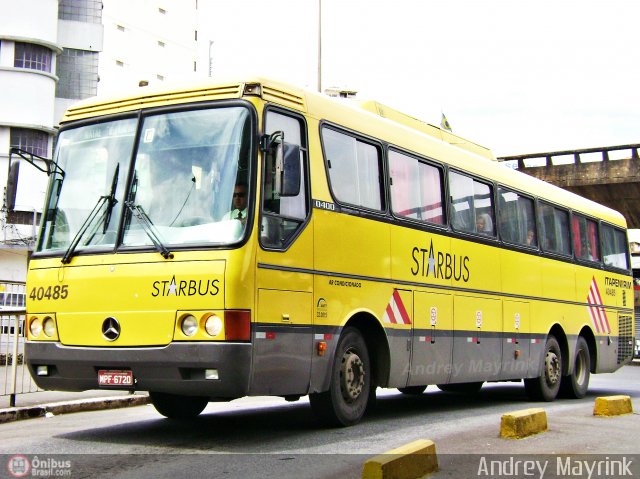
(14, 374)
(585, 155)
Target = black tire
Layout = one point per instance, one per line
(576, 384)
(345, 402)
(546, 386)
(412, 390)
(461, 388)
(174, 406)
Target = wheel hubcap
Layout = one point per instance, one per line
(351, 376)
(580, 367)
(552, 364)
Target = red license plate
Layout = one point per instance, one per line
(115, 378)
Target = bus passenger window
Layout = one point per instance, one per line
(354, 169)
(585, 238)
(471, 205)
(554, 229)
(517, 220)
(614, 247)
(416, 189)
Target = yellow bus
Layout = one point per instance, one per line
(252, 238)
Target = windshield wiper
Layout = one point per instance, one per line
(148, 228)
(83, 229)
(112, 199)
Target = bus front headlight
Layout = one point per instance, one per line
(213, 325)
(35, 327)
(189, 325)
(49, 326)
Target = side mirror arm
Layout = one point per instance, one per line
(51, 166)
(267, 142)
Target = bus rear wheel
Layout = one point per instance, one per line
(346, 400)
(174, 406)
(576, 384)
(546, 386)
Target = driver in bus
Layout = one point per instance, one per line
(239, 204)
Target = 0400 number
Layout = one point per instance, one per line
(50, 292)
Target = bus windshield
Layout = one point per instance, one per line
(189, 182)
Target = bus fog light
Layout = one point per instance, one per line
(211, 374)
(213, 325)
(42, 370)
(35, 328)
(189, 325)
(49, 326)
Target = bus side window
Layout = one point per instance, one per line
(354, 169)
(462, 214)
(282, 217)
(585, 238)
(517, 223)
(614, 247)
(554, 229)
(471, 205)
(416, 189)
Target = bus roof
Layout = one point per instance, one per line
(369, 118)
(432, 130)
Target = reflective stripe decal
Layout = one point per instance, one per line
(395, 312)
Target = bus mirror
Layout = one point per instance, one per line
(12, 184)
(290, 170)
(20, 183)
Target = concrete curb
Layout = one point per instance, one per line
(411, 461)
(612, 406)
(65, 407)
(523, 423)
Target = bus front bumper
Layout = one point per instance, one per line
(216, 370)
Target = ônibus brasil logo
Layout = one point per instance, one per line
(18, 466)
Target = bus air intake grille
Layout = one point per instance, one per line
(625, 338)
(150, 99)
(269, 93)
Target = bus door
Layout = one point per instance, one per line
(283, 334)
(432, 341)
(516, 342)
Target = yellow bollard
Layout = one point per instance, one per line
(410, 461)
(519, 424)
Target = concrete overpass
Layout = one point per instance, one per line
(609, 175)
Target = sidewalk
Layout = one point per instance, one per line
(42, 403)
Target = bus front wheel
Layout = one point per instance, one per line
(546, 386)
(346, 400)
(174, 406)
(576, 384)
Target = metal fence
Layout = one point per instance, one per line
(14, 374)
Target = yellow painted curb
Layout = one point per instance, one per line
(612, 406)
(410, 461)
(519, 424)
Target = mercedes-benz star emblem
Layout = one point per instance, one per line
(110, 329)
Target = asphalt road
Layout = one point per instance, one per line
(267, 437)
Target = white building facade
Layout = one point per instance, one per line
(148, 43)
(56, 52)
(48, 59)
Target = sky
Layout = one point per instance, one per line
(516, 76)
